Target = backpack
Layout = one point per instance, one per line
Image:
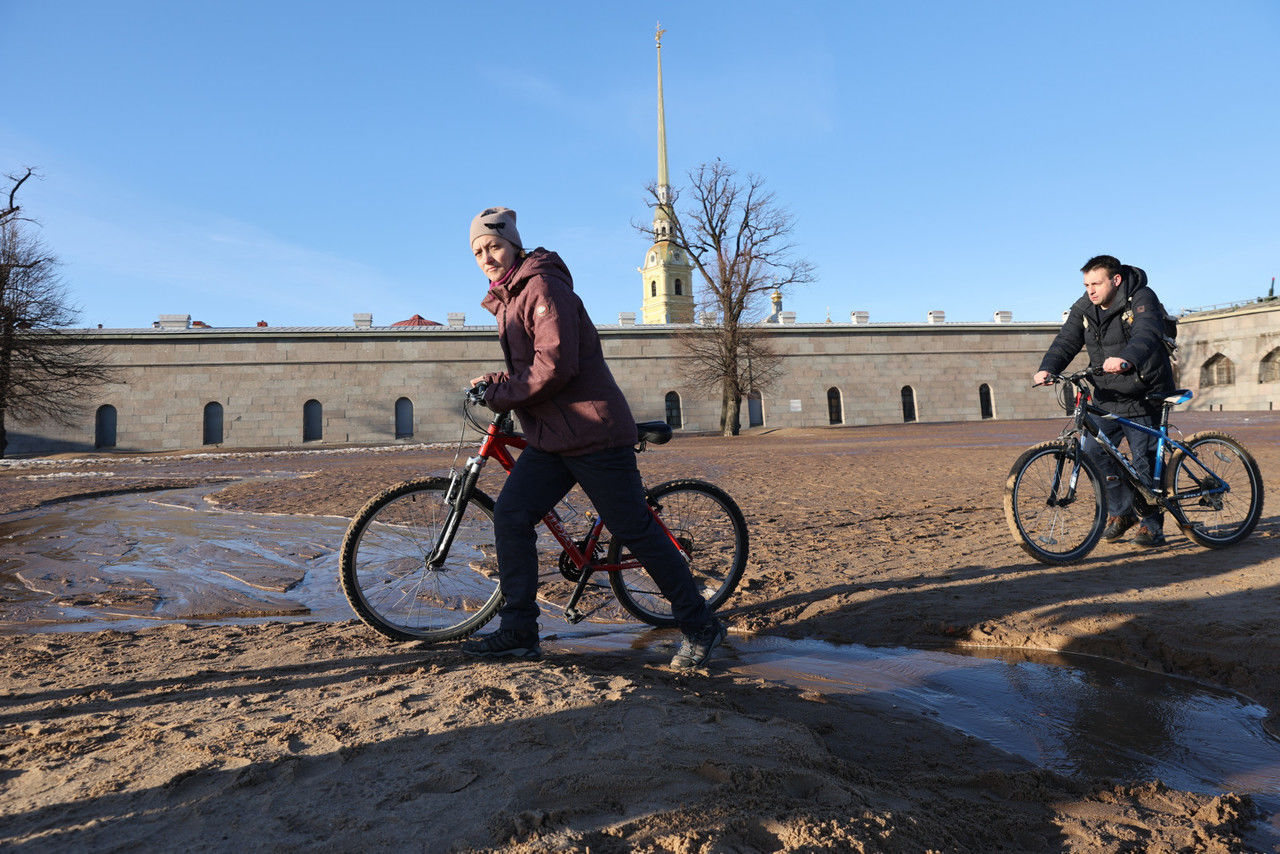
(1138, 279)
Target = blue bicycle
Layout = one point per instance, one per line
(1056, 506)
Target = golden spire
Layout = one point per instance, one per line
(664, 182)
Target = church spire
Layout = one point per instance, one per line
(666, 274)
(664, 183)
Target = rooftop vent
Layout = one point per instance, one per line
(175, 321)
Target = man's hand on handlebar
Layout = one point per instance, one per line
(1115, 365)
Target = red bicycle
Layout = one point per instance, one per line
(418, 561)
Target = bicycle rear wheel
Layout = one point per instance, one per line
(1221, 518)
(712, 535)
(1054, 502)
(385, 571)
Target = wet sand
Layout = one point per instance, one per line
(322, 734)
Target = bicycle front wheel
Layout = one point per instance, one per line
(712, 535)
(387, 575)
(1220, 514)
(1054, 503)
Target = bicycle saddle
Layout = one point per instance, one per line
(654, 432)
(1181, 395)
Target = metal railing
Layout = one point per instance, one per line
(1224, 305)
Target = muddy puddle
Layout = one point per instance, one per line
(138, 560)
(1077, 715)
(142, 558)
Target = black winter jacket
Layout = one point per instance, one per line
(1134, 332)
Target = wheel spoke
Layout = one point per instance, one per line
(387, 575)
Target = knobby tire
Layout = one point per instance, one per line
(1052, 532)
(1216, 521)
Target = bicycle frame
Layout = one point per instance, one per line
(497, 444)
(1084, 407)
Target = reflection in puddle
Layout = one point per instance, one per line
(137, 559)
(1077, 715)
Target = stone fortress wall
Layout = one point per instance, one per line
(1230, 357)
(288, 387)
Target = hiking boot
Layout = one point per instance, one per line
(696, 648)
(1148, 537)
(503, 643)
(1117, 525)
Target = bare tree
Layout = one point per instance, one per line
(738, 238)
(45, 371)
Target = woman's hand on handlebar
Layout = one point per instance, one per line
(1043, 378)
(475, 394)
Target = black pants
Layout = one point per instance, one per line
(1142, 453)
(611, 480)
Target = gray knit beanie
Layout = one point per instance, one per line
(500, 222)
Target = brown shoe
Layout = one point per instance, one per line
(1117, 525)
(1148, 537)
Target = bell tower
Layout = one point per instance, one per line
(667, 275)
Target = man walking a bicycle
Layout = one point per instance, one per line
(579, 430)
(1120, 323)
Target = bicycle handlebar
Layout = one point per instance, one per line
(1076, 376)
(475, 394)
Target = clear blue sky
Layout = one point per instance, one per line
(296, 162)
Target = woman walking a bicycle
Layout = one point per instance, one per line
(1120, 322)
(580, 431)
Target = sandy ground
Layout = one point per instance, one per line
(319, 734)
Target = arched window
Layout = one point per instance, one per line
(1218, 370)
(312, 421)
(673, 410)
(1269, 369)
(984, 401)
(835, 408)
(653, 289)
(104, 427)
(755, 409)
(213, 423)
(679, 288)
(404, 418)
(908, 404)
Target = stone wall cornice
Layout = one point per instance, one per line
(442, 333)
(1236, 311)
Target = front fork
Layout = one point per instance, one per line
(461, 487)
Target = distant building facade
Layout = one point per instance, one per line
(184, 386)
(1230, 357)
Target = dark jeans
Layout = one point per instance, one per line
(1142, 453)
(611, 480)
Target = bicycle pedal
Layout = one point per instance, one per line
(574, 616)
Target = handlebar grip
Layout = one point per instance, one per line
(475, 394)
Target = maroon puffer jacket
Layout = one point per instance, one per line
(556, 380)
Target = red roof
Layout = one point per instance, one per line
(416, 320)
